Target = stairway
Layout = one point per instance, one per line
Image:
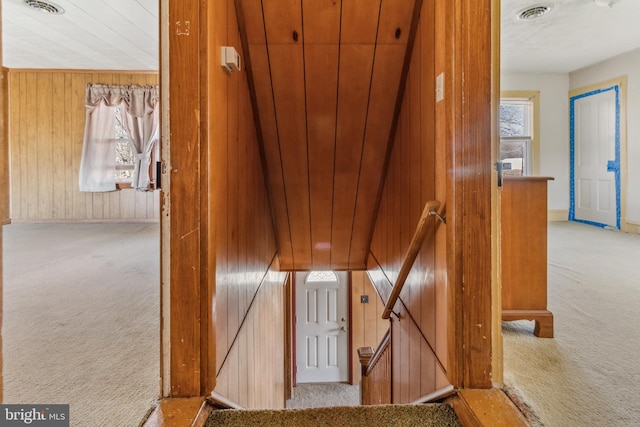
(429, 414)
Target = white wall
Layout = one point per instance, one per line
(628, 65)
(554, 129)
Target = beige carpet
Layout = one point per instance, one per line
(81, 319)
(427, 415)
(589, 374)
(324, 394)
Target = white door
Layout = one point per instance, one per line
(595, 159)
(322, 327)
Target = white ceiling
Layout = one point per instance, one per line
(123, 35)
(573, 35)
(91, 34)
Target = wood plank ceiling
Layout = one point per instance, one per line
(326, 79)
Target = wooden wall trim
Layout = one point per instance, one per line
(221, 402)
(496, 310)
(469, 214)
(476, 192)
(445, 21)
(289, 338)
(181, 219)
(207, 212)
(486, 407)
(5, 183)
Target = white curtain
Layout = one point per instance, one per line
(142, 119)
(98, 161)
(97, 165)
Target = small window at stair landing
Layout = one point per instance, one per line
(321, 276)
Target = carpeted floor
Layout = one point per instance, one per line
(81, 319)
(80, 325)
(325, 394)
(427, 415)
(589, 374)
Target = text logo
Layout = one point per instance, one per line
(34, 415)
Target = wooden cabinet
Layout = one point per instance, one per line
(524, 252)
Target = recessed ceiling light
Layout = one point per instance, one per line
(45, 7)
(534, 12)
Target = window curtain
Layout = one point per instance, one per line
(98, 160)
(97, 164)
(142, 118)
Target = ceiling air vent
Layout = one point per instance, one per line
(533, 12)
(45, 7)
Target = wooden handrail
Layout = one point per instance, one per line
(375, 367)
(384, 343)
(430, 208)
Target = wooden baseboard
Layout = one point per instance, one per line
(486, 408)
(557, 215)
(631, 228)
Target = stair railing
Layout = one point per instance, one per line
(375, 385)
(430, 209)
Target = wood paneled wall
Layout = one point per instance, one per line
(249, 302)
(415, 168)
(46, 129)
(376, 387)
(367, 325)
(442, 330)
(253, 370)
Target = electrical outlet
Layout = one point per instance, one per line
(364, 299)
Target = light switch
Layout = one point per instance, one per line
(440, 87)
(364, 299)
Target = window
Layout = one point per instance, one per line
(516, 136)
(321, 276)
(124, 153)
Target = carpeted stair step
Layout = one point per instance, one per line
(429, 414)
